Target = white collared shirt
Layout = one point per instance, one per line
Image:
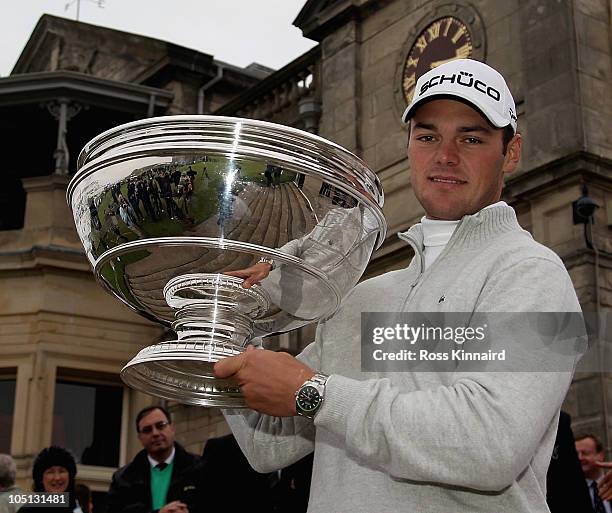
(167, 461)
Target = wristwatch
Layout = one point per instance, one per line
(309, 397)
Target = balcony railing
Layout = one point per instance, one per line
(291, 95)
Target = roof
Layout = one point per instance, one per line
(45, 86)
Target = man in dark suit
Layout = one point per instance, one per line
(291, 491)
(591, 452)
(285, 491)
(163, 477)
(234, 478)
(566, 489)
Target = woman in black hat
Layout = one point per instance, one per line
(54, 471)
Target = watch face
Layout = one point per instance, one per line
(441, 41)
(308, 398)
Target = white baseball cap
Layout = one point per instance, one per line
(473, 81)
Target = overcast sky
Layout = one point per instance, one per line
(235, 31)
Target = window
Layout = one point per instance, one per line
(87, 420)
(7, 406)
(12, 203)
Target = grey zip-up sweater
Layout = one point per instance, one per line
(429, 442)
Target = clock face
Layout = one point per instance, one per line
(441, 41)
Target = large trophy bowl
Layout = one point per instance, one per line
(165, 207)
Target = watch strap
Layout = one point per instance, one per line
(319, 379)
(267, 260)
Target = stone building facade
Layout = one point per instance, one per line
(350, 88)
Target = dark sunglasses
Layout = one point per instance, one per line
(160, 426)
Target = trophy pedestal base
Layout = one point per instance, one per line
(183, 371)
(214, 320)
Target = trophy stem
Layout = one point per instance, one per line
(214, 319)
(214, 308)
(213, 322)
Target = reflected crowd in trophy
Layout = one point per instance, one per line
(166, 192)
(159, 192)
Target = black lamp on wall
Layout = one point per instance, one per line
(583, 210)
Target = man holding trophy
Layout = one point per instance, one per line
(388, 433)
(463, 441)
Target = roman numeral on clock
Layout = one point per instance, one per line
(409, 82)
(412, 62)
(434, 30)
(458, 34)
(463, 52)
(421, 43)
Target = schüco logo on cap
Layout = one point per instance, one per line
(464, 79)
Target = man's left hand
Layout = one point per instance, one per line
(268, 380)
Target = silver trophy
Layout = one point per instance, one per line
(165, 207)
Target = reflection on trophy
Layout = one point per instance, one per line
(165, 207)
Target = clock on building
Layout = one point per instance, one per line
(440, 41)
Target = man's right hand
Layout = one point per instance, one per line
(604, 486)
(252, 275)
(175, 507)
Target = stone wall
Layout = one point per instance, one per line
(593, 28)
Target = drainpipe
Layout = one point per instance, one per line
(207, 86)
